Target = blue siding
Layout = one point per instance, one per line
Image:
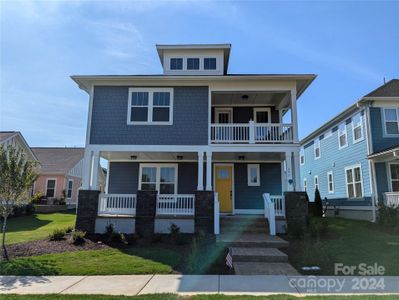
(250, 197)
(379, 141)
(335, 160)
(381, 174)
(109, 119)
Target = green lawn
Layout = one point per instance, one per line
(349, 242)
(37, 226)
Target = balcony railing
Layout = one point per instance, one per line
(392, 199)
(251, 133)
(117, 204)
(175, 205)
(279, 205)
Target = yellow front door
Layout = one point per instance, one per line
(224, 187)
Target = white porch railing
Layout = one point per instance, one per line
(279, 205)
(216, 216)
(175, 205)
(392, 199)
(117, 204)
(270, 214)
(251, 133)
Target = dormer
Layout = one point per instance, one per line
(202, 59)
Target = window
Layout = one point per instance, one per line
(342, 136)
(316, 182)
(159, 177)
(262, 115)
(391, 121)
(69, 189)
(394, 171)
(150, 106)
(302, 156)
(253, 175)
(176, 63)
(50, 188)
(305, 185)
(210, 63)
(193, 63)
(317, 149)
(357, 128)
(330, 182)
(354, 184)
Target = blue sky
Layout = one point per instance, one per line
(351, 46)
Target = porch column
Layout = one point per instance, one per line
(86, 176)
(288, 165)
(296, 168)
(209, 171)
(294, 117)
(94, 170)
(200, 186)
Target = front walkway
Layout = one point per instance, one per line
(198, 284)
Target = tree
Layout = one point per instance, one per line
(17, 175)
(318, 204)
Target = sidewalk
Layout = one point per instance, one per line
(198, 284)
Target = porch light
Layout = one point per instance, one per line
(133, 157)
(241, 157)
(179, 157)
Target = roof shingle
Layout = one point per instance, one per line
(58, 160)
(389, 89)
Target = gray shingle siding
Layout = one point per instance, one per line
(380, 142)
(109, 119)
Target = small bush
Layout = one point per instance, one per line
(109, 229)
(69, 229)
(174, 233)
(29, 209)
(78, 237)
(388, 216)
(37, 197)
(131, 239)
(115, 237)
(157, 238)
(57, 235)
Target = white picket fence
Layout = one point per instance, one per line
(175, 205)
(117, 204)
(392, 199)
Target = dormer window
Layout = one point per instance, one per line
(176, 63)
(210, 63)
(193, 63)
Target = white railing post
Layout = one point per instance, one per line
(117, 204)
(216, 214)
(175, 205)
(270, 214)
(251, 132)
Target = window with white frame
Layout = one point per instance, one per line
(354, 182)
(159, 177)
(342, 136)
(394, 172)
(330, 182)
(316, 182)
(193, 63)
(305, 184)
(357, 128)
(69, 188)
(50, 188)
(391, 121)
(302, 156)
(317, 148)
(150, 106)
(253, 175)
(176, 63)
(210, 63)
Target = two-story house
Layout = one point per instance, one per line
(193, 135)
(352, 159)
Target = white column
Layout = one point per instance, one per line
(86, 176)
(200, 186)
(94, 170)
(297, 173)
(288, 165)
(294, 117)
(209, 171)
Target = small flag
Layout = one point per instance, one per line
(229, 259)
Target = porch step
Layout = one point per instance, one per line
(264, 268)
(231, 230)
(242, 254)
(252, 240)
(244, 221)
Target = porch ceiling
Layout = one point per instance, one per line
(248, 98)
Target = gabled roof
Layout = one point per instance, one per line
(58, 160)
(389, 89)
(5, 135)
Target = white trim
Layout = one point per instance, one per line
(67, 190)
(150, 106)
(158, 174)
(302, 154)
(362, 207)
(88, 129)
(257, 166)
(330, 191)
(232, 183)
(385, 134)
(319, 147)
(55, 186)
(316, 177)
(263, 109)
(345, 132)
(228, 110)
(360, 124)
(193, 160)
(390, 174)
(352, 167)
(107, 177)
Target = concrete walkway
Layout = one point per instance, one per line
(198, 284)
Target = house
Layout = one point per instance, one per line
(189, 145)
(15, 139)
(353, 158)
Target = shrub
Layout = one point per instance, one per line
(116, 237)
(57, 235)
(131, 239)
(109, 229)
(388, 216)
(37, 197)
(318, 209)
(78, 237)
(174, 233)
(157, 238)
(29, 209)
(18, 210)
(69, 229)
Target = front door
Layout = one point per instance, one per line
(224, 187)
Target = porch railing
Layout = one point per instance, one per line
(216, 214)
(251, 133)
(279, 205)
(270, 214)
(117, 204)
(175, 205)
(392, 199)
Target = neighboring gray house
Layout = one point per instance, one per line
(353, 158)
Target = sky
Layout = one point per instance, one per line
(351, 46)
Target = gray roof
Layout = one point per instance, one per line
(389, 89)
(58, 160)
(6, 134)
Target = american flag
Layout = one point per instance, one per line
(229, 259)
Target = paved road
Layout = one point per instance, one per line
(198, 284)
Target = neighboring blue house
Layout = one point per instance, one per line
(352, 159)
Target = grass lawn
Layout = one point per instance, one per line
(37, 226)
(349, 242)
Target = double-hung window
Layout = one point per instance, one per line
(305, 184)
(391, 121)
(253, 175)
(394, 172)
(69, 188)
(50, 188)
(150, 106)
(302, 156)
(176, 63)
(357, 128)
(159, 177)
(330, 182)
(354, 182)
(193, 63)
(342, 136)
(317, 148)
(210, 63)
